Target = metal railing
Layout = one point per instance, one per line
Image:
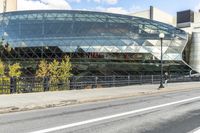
(36, 84)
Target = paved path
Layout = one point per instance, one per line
(169, 112)
(28, 101)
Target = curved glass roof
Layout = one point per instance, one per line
(91, 31)
(145, 25)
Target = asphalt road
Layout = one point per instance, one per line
(177, 112)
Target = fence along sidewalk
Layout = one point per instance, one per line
(38, 84)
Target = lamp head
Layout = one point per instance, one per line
(161, 35)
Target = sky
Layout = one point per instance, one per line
(114, 6)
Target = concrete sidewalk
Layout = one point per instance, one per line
(29, 101)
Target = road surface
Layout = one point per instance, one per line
(177, 112)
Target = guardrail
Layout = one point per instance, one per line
(36, 84)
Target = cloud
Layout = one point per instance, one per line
(63, 4)
(98, 1)
(42, 4)
(119, 10)
(110, 2)
(77, 1)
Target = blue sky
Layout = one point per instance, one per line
(117, 6)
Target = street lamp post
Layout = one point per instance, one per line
(161, 36)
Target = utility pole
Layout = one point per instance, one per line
(161, 36)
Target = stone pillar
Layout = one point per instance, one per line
(195, 52)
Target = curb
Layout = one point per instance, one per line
(62, 103)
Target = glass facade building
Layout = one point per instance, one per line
(98, 43)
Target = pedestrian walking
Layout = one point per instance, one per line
(166, 77)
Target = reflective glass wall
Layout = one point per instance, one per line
(92, 39)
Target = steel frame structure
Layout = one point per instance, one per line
(95, 41)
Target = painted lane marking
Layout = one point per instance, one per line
(112, 116)
(197, 130)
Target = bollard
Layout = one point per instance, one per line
(113, 78)
(13, 85)
(128, 79)
(141, 79)
(96, 81)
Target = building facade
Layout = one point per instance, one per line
(187, 20)
(157, 15)
(8, 5)
(98, 43)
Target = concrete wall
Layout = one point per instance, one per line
(192, 27)
(157, 14)
(142, 14)
(164, 17)
(195, 52)
(1, 6)
(10, 6)
(197, 17)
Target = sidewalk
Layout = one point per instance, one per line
(29, 101)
